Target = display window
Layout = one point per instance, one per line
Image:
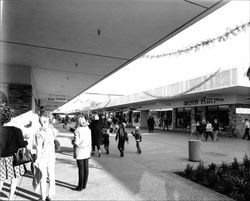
(183, 117)
(221, 113)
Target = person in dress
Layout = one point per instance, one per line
(45, 160)
(11, 139)
(82, 150)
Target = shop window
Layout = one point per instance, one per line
(219, 112)
(183, 117)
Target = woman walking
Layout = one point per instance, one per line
(82, 150)
(96, 133)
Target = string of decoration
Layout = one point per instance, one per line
(222, 38)
(185, 92)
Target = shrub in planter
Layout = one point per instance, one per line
(224, 167)
(212, 179)
(235, 165)
(226, 186)
(246, 163)
(246, 192)
(188, 171)
(200, 173)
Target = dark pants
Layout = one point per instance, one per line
(246, 134)
(138, 147)
(106, 147)
(211, 135)
(93, 147)
(83, 172)
(121, 143)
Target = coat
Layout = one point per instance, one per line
(82, 143)
(96, 132)
(11, 139)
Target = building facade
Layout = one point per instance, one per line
(222, 95)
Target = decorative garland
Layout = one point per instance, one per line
(185, 92)
(230, 32)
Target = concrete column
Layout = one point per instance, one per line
(144, 118)
(174, 118)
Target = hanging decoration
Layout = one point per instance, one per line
(185, 92)
(222, 38)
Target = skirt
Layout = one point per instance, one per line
(8, 171)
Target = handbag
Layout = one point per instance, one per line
(22, 156)
(57, 145)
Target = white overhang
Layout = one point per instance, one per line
(71, 45)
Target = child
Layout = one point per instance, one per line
(105, 137)
(138, 137)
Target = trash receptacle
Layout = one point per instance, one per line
(194, 150)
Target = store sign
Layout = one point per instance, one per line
(203, 101)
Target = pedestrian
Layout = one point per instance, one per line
(105, 136)
(193, 129)
(45, 160)
(151, 124)
(82, 150)
(121, 136)
(165, 123)
(138, 138)
(96, 134)
(216, 128)
(209, 130)
(247, 126)
(203, 129)
(11, 139)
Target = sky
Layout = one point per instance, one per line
(144, 74)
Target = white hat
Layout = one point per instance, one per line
(82, 121)
(96, 117)
(137, 128)
(124, 124)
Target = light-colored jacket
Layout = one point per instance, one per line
(82, 143)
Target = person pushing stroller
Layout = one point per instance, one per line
(138, 138)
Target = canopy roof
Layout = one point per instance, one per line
(72, 45)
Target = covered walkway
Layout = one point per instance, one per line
(148, 176)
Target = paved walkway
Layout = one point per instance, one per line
(148, 176)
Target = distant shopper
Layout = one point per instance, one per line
(96, 134)
(216, 128)
(151, 124)
(209, 130)
(121, 136)
(82, 150)
(203, 129)
(105, 137)
(138, 138)
(165, 123)
(247, 126)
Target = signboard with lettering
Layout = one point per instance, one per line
(203, 101)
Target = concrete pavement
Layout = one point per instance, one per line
(148, 176)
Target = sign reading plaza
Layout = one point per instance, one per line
(203, 101)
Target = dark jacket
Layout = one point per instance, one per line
(96, 132)
(11, 139)
(137, 135)
(121, 134)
